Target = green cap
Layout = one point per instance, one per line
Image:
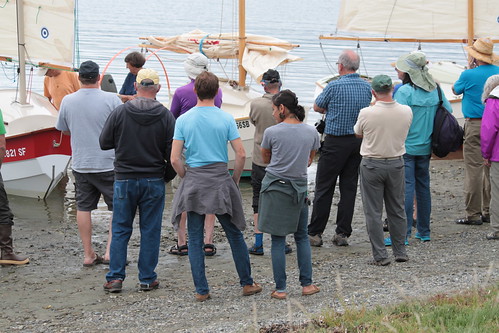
(381, 83)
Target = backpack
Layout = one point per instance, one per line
(447, 133)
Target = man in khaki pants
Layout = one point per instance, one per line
(470, 84)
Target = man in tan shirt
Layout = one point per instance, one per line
(383, 128)
(58, 84)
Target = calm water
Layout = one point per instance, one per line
(107, 27)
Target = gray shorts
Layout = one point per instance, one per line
(90, 186)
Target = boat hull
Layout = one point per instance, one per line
(37, 155)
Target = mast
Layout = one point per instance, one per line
(242, 42)
(20, 51)
(471, 26)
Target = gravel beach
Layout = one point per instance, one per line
(54, 293)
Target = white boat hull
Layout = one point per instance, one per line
(37, 155)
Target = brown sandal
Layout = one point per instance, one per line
(314, 290)
(275, 294)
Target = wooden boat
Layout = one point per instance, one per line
(34, 33)
(255, 55)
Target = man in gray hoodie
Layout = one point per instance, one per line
(141, 132)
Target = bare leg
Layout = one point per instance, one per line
(107, 255)
(84, 221)
(181, 238)
(209, 226)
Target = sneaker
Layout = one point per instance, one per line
(256, 250)
(422, 238)
(315, 240)
(382, 262)
(340, 240)
(288, 249)
(492, 235)
(469, 222)
(388, 241)
(485, 218)
(251, 289)
(113, 286)
(149, 286)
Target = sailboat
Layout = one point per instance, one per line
(255, 55)
(34, 34)
(422, 21)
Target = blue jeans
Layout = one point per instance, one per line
(240, 255)
(303, 254)
(148, 194)
(417, 179)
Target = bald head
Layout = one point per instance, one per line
(349, 62)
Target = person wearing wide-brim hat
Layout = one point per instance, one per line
(470, 84)
(419, 91)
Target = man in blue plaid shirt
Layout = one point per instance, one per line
(341, 101)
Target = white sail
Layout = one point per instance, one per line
(48, 31)
(419, 19)
(260, 54)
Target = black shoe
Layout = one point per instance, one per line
(113, 286)
(149, 286)
(469, 222)
(485, 218)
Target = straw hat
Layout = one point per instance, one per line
(482, 50)
(414, 64)
(195, 64)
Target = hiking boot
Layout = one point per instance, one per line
(251, 289)
(315, 240)
(401, 258)
(469, 221)
(340, 240)
(149, 286)
(287, 249)
(256, 250)
(492, 235)
(113, 286)
(382, 262)
(422, 238)
(7, 255)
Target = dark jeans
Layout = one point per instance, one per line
(257, 174)
(6, 216)
(340, 157)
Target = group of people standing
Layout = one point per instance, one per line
(121, 149)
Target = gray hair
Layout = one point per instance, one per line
(490, 84)
(350, 60)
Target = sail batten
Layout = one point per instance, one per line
(48, 32)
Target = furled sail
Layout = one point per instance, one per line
(419, 19)
(261, 52)
(48, 31)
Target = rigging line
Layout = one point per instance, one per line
(37, 13)
(76, 55)
(221, 17)
(5, 4)
(362, 59)
(328, 63)
(390, 17)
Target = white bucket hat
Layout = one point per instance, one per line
(195, 64)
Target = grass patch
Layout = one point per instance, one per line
(468, 312)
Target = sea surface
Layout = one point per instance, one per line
(107, 27)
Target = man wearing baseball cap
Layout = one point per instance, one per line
(82, 115)
(383, 128)
(141, 132)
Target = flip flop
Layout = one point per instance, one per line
(97, 261)
(209, 253)
(276, 295)
(314, 290)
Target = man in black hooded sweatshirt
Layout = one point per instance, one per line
(141, 133)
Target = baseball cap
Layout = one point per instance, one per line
(147, 77)
(271, 76)
(89, 70)
(381, 83)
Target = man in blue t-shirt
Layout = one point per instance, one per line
(134, 62)
(470, 84)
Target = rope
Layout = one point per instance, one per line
(76, 55)
(328, 64)
(390, 17)
(362, 58)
